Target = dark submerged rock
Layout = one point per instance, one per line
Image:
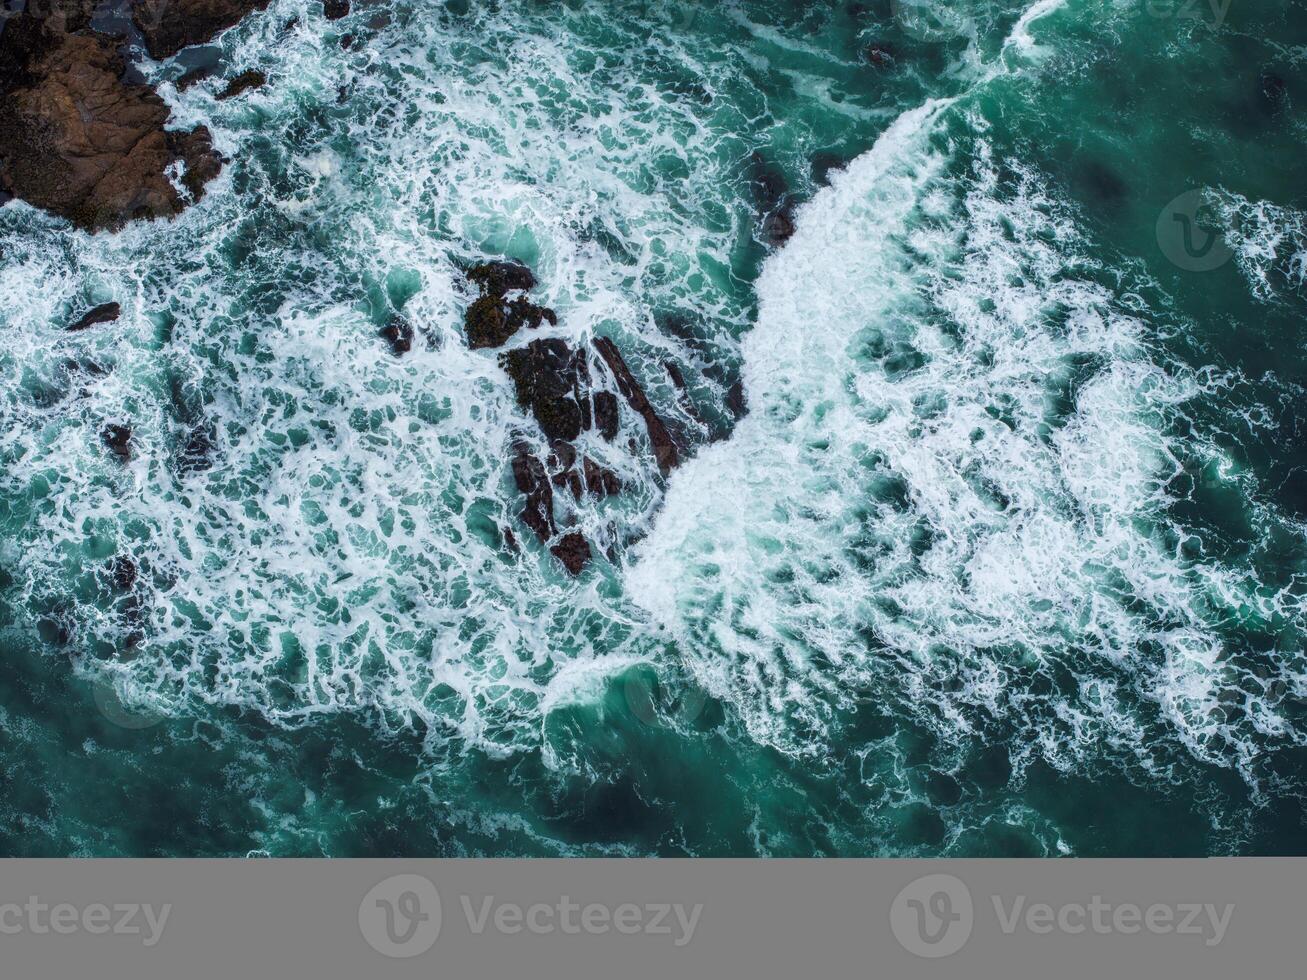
(664, 446)
(335, 9)
(118, 440)
(878, 54)
(78, 140)
(771, 192)
(1104, 184)
(197, 451)
(735, 400)
(123, 572)
(242, 83)
(104, 313)
(399, 334)
(1273, 92)
(824, 164)
(167, 26)
(606, 414)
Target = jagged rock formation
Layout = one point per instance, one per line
(79, 141)
(104, 313)
(493, 319)
(552, 380)
(664, 447)
(170, 25)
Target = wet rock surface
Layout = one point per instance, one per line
(104, 313)
(573, 551)
(167, 26)
(78, 140)
(552, 381)
(493, 319)
(664, 447)
(398, 333)
(775, 202)
(118, 440)
(243, 83)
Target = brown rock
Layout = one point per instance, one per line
(170, 25)
(77, 140)
(492, 319)
(104, 313)
(399, 334)
(532, 480)
(553, 381)
(118, 440)
(498, 278)
(600, 480)
(606, 414)
(573, 551)
(242, 83)
(664, 447)
(193, 78)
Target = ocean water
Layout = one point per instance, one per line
(1007, 557)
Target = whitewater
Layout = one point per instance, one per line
(957, 577)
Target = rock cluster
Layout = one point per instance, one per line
(553, 382)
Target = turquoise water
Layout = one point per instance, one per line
(1008, 556)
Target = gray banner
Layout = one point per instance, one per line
(656, 919)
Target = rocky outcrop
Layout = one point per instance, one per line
(118, 440)
(242, 83)
(553, 381)
(573, 551)
(533, 482)
(167, 26)
(79, 141)
(664, 447)
(104, 313)
(493, 318)
(607, 416)
(398, 333)
(771, 193)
